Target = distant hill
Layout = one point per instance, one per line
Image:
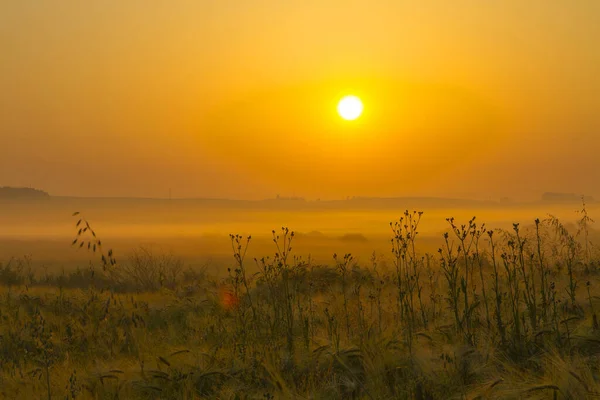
(293, 203)
(22, 193)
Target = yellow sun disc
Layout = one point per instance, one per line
(350, 108)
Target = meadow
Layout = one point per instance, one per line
(439, 307)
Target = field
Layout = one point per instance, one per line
(151, 301)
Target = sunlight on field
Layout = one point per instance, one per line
(199, 234)
(191, 312)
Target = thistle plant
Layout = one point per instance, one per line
(343, 266)
(465, 236)
(583, 228)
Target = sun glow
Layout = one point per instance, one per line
(350, 108)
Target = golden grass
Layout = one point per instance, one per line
(420, 326)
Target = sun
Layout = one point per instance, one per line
(350, 108)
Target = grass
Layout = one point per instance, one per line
(493, 315)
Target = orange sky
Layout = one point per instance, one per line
(237, 98)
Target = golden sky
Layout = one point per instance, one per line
(236, 98)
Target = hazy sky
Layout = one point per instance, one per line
(236, 98)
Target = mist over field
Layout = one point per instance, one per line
(197, 230)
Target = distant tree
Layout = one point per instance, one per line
(22, 193)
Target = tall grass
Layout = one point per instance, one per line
(495, 314)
